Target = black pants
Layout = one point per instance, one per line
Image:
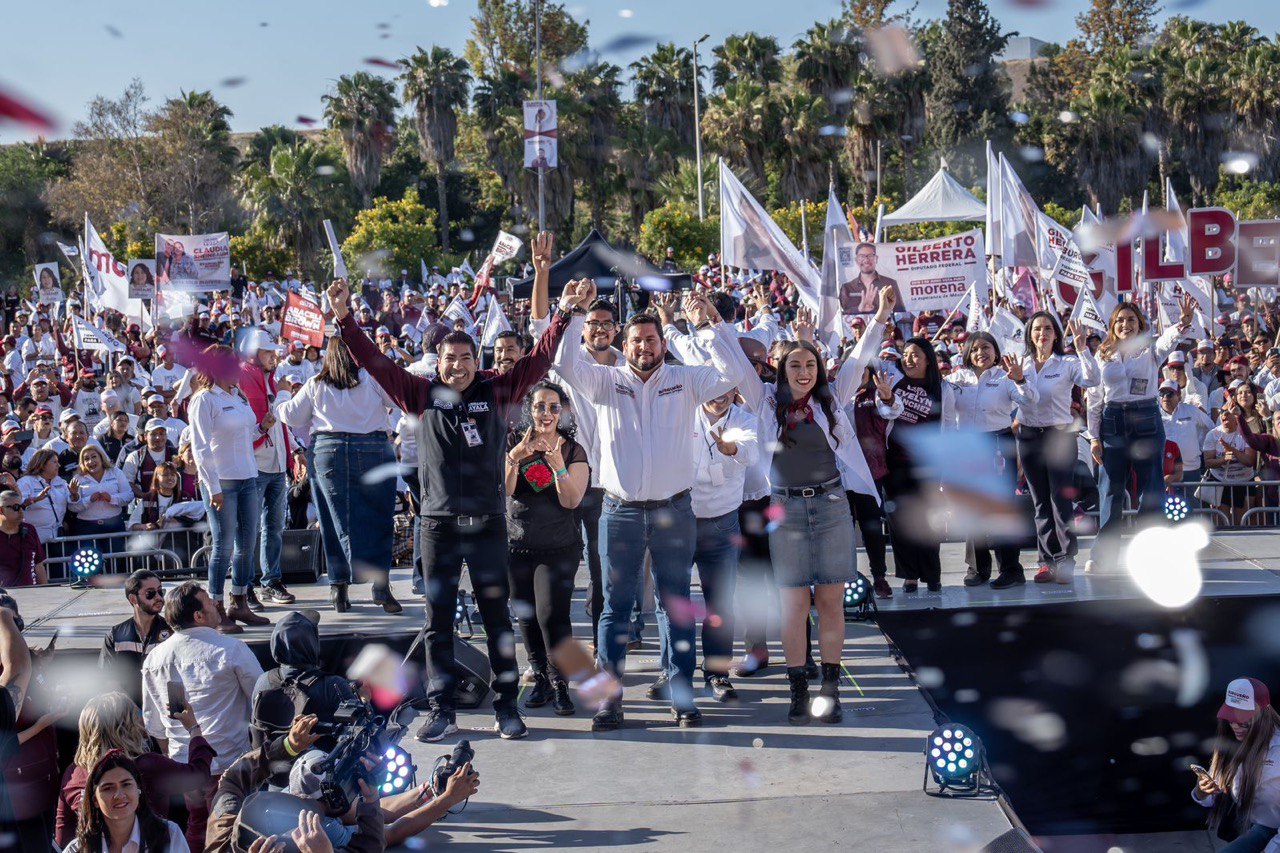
(444, 545)
(1048, 456)
(755, 569)
(541, 594)
(916, 551)
(977, 549)
(588, 513)
(870, 519)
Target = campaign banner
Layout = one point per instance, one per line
(48, 283)
(303, 320)
(93, 338)
(933, 275)
(193, 263)
(540, 135)
(142, 278)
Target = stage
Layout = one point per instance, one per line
(748, 779)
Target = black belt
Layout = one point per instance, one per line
(461, 520)
(647, 504)
(808, 491)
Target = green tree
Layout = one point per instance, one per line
(502, 37)
(392, 235)
(826, 60)
(362, 110)
(436, 85)
(739, 124)
(815, 219)
(676, 224)
(26, 172)
(664, 87)
(1111, 24)
(1253, 80)
(968, 100)
(749, 57)
(262, 143)
(258, 253)
(646, 154)
(804, 154)
(194, 162)
(597, 106)
(1190, 60)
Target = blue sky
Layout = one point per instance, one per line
(274, 73)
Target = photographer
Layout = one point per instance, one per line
(297, 686)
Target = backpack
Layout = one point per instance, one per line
(283, 699)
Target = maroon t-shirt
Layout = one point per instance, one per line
(20, 553)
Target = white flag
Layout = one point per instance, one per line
(339, 265)
(426, 274)
(838, 265)
(466, 268)
(1008, 331)
(505, 247)
(994, 200)
(93, 338)
(977, 320)
(750, 239)
(1018, 219)
(1087, 313)
(69, 252)
(108, 279)
(495, 322)
(457, 310)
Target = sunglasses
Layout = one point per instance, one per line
(553, 408)
(15, 507)
(149, 594)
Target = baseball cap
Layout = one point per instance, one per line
(1244, 697)
(10, 426)
(1238, 383)
(43, 410)
(383, 330)
(1169, 385)
(88, 373)
(154, 397)
(68, 415)
(298, 345)
(162, 350)
(306, 776)
(888, 352)
(41, 379)
(155, 424)
(1177, 357)
(1205, 346)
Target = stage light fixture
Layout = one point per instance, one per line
(1176, 508)
(84, 564)
(397, 771)
(859, 603)
(956, 762)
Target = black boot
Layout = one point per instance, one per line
(561, 702)
(540, 694)
(831, 712)
(338, 597)
(798, 715)
(382, 595)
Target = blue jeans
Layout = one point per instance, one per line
(1132, 438)
(716, 556)
(273, 489)
(233, 529)
(669, 533)
(1253, 840)
(356, 517)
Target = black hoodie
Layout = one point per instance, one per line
(295, 646)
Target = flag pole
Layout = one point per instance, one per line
(804, 233)
(963, 299)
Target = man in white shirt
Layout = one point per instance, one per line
(166, 376)
(215, 675)
(295, 364)
(646, 412)
(1185, 425)
(158, 410)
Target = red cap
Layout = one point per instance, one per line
(1245, 696)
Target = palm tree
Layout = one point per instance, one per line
(738, 124)
(300, 186)
(362, 110)
(436, 83)
(827, 58)
(664, 86)
(495, 101)
(598, 104)
(1194, 99)
(873, 118)
(1105, 139)
(262, 143)
(1254, 81)
(680, 184)
(750, 57)
(646, 156)
(804, 154)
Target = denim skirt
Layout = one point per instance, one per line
(811, 543)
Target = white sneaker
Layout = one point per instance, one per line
(1064, 572)
(1090, 567)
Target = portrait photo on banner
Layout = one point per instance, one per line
(48, 283)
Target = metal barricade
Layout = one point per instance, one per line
(169, 552)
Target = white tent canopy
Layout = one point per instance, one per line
(940, 200)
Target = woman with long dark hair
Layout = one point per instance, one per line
(926, 402)
(346, 414)
(223, 429)
(546, 476)
(816, 456)
(116, 813)
(1242, 786)
(987, 388)
(1047, 438)
(1124, 421)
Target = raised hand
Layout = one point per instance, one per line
(804, 324)
(1012, 367)
(586, 293)
(887, 299)
(302, 735)
(338, 296)
(728, 448)
(1186, 309)
(1079, 339)
(569, 297)
(310, 837)
(666, 305)
(884, 386)
(543, 249)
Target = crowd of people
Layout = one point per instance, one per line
(641, 434)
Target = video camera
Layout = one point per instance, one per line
(364, 736)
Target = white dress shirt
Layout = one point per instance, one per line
(647, 449)
(223, 429)
(1053, 382)
(1131, 375)
(47, 514)
(1187, 426)
(113, 484)
(177, 842)
(986, 402)
(319, 407)
(719, 483)
(218, 674)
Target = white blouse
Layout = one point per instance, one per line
(1054, 381)
(1132, 374)
(223, 429)
(47, 514)
(113, 484)
(986, 402)
(319, 407)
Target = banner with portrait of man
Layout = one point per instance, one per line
(142, 278)
(859, 295)
(48, 284)
(931, 275)
(193, 263)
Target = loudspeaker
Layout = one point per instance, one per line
(301, 557)
(474, 673)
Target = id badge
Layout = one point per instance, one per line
(471, 433)
(1137, 387)
(716, 470)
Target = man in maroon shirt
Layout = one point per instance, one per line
(21, 554)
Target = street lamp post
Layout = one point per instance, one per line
(542, 172)
(697, 128)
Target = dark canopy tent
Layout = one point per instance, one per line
(594, 258)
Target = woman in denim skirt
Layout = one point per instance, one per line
(811, 545)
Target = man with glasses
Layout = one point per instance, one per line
(21, 554)
(859, 295)
(127, 644)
